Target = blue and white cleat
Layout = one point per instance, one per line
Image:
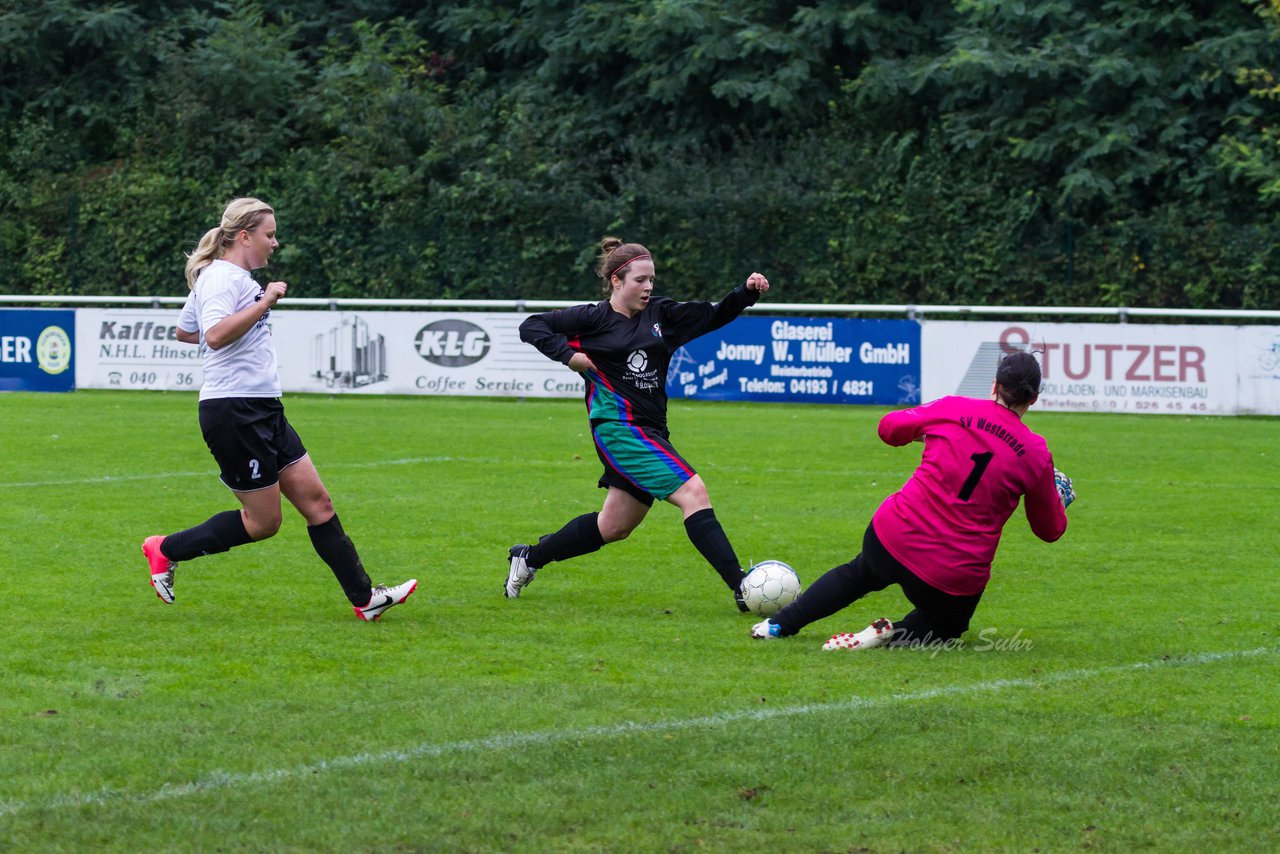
(766, 630)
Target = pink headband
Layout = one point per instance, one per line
(625, 263)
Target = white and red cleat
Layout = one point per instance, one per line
(874, 635)
(383, 597)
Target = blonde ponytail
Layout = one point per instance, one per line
(240, 215)
(206, 253)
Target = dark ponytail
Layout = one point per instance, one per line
(1018, 379)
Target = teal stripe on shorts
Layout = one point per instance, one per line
(643, 456)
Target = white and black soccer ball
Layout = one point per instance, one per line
(769, 587)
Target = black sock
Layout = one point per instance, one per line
(710, 540)
(336, 549)
(579, 536)
(219, 533)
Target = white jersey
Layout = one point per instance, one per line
(247, 366)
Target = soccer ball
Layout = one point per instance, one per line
(769, 587)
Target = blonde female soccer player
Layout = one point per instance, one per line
(258, 452)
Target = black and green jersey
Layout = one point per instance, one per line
(631, 354)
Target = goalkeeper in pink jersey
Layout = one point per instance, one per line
(936, 536)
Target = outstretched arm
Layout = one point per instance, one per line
(685, 321)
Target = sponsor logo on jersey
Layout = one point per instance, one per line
(262, 321)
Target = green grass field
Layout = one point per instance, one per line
(1118, 691)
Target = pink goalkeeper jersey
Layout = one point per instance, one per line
(979, 459)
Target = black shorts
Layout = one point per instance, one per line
(251, 440)
(611, 478)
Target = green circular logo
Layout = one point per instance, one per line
(53, 350)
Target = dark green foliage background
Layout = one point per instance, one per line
(1051, 152)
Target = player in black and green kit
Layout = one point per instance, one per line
(622, 346)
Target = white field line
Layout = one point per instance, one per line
(212, 472)
(506, 742)
(891, 478)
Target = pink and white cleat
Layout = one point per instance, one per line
(161, 568)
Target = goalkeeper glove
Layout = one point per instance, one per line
(1066, 490)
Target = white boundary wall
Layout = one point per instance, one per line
(368, 352)
(1147, 368)
(1103, 367)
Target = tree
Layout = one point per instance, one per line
(1252, 148)
(1114, 102)
(685, 70)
